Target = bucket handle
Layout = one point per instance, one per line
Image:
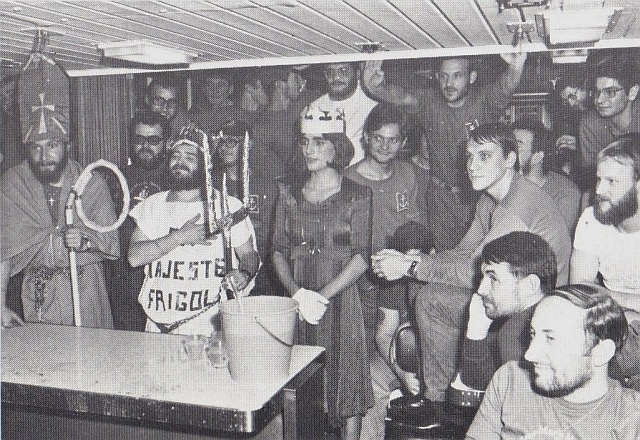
(274, 336)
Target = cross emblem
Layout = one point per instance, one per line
(42, 107)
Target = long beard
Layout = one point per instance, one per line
(181, 182)
(626, 207)
(148, 164)
(49, 176)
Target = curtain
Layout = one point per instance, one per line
(101, 108)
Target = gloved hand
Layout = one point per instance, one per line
(311, 304)
(479, 322)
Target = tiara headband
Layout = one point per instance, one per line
(322, 121)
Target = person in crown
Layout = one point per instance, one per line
(186, 270)
(321, 247)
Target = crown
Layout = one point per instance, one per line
(322, 121)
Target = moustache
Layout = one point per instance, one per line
(46, 164)
(600, 199)
(146, 150)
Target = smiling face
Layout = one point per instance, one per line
(486, 164)
(385, 143)
(614, 105)
(616, 192)
(318, 152)
(558, 351)
(185, 164)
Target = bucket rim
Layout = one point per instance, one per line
(293, 302)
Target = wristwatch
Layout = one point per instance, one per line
(412, 271)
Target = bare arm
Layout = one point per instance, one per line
(583, 267)
(510, 78)
(143, 250)
(373, 81)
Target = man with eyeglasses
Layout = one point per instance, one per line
(162, 98)
(34, 235)
(444, 112)
(616, 112)
(146, 175)
(345, 95)
(261, 200)
(394, 203)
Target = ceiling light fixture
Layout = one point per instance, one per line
(560, 27)
(144, 52)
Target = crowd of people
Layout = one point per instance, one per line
(514, 249)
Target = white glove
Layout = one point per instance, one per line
(479, 322)
(311, 304)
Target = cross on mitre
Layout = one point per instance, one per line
(42, 107)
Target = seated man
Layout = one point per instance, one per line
(562, 390)
(509, 203)
(607, 242)
(536, 154)
(517, 270)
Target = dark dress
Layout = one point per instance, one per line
(319, 239)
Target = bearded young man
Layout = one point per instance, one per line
(185, 271)
(36, 240)
(345, 95)
(561, 390)
(607, 241)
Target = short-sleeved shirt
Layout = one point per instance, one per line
(445, 126)
(597, 132)
(618, 253)
(356, 108)
(185, 281)
(394, 202)
(511, 409)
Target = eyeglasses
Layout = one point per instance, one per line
(159, 101)
(231, 141)
(608, 92)
(380, 140)
(154, 140)
(332, 72)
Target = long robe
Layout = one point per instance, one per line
(31, 242)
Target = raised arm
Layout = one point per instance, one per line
(510, 78)
(374, 82)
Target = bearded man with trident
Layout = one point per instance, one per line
(193, 241)
(35, 238)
